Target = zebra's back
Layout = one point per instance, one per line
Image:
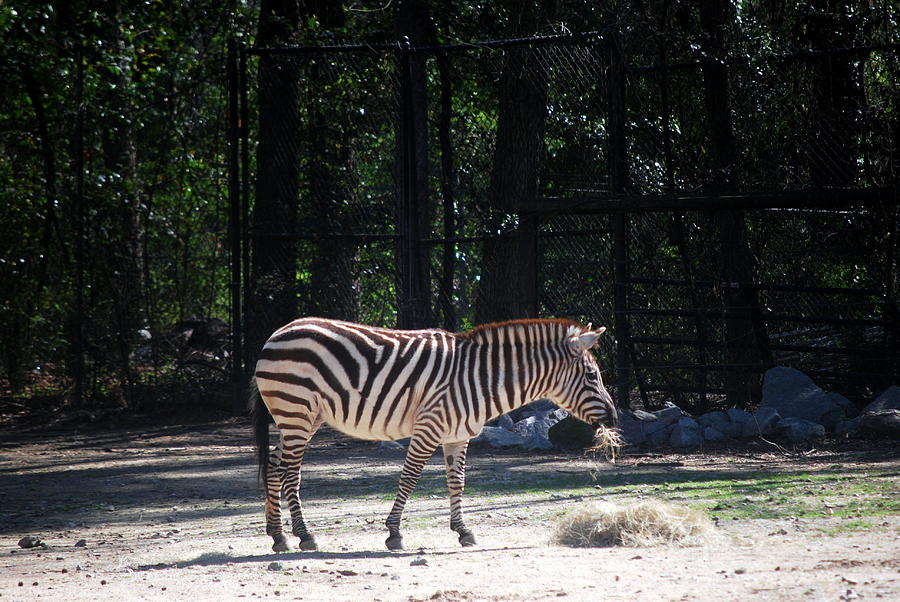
(366, 382)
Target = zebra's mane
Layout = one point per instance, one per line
(560, 326)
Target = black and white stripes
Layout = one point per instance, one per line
(436, 387)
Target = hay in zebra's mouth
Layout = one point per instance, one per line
(607, 441)
(643, 523)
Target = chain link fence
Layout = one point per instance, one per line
(368, 191)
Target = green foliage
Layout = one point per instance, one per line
(155, 165)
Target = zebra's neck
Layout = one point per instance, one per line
(516, 361)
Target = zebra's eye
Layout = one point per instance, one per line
(591, 376)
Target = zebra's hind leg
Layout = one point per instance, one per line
(421, 447)
(295, 443)
(455, 460)
(274, 480)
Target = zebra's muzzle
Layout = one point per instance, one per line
(600, 428)
(611, 420)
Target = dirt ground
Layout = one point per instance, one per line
(175, 513)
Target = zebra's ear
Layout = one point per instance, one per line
(586, 340)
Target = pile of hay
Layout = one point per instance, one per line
(645, 523)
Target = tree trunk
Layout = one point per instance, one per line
(448, 196)
(836, 96)
(124, 257)
(415, 208)
(334, 270)
(17, 331)
(745, 336)
(509, 285)
(451, 212)
(273, 297)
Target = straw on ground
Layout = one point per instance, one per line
(643, 523)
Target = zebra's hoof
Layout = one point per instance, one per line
(280, 545)
(467, 540)
(309, 544)
(394, 542)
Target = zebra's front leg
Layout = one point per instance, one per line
(455, 460)
(421, 447)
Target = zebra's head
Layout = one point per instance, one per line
(581, 391)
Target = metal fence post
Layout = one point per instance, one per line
(235, 214)
(244, 215)
(618, 181)
(78, 373)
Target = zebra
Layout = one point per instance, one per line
(433, 386)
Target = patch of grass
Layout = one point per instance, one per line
(803, 496)
(755, 495)
(846, 527)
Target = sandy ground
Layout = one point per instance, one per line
(175, 513)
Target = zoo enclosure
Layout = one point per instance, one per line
(721, 213)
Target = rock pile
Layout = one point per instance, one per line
(793, 408)
(527, 427)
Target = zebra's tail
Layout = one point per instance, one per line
(260, 429)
